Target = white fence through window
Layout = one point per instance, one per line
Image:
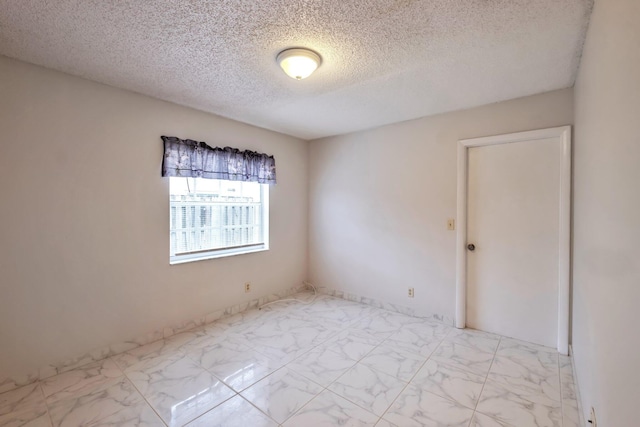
(202, 223)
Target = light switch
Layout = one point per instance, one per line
(451, 224)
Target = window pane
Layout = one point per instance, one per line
(209, 214)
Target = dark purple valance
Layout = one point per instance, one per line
(193, 159)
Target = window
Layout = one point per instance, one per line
(210, 218)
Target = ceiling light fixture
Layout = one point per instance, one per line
(298, 63)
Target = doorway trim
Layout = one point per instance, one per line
(564, 266)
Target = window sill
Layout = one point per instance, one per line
(183, 259)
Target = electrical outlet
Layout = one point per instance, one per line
(247, 287)
(410, 292)
(451, 224)
(592, 418)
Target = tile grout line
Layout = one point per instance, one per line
(291, 291)
(139, 392)
(66, 368)
(351, 327)
(340, 376)
(46, 405)
(265, 377)
(197, 362)
(405, 387)
(250, 403)
(178, 350)
(451, 366)
(350, 368)
(307, 402)
(456, 367)
(407, 383)
(241, 397)
(486, 378)
(239, 393)
(280, 368)
(491, 366)
(446, 365)
(561, 388)
(414, 375)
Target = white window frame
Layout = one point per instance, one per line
(230, 251)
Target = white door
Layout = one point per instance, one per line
(513, 206)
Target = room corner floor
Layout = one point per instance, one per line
(329, 363)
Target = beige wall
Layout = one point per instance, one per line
(380, 199)
(606, 269)
(84, 253)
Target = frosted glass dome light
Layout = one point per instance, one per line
(298, 63)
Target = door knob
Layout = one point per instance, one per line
(471, 247)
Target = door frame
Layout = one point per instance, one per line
(564, 266)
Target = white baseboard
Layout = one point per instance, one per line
(11, 382)
(575, 381)
(448, 320)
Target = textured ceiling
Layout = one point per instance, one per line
(384, 61)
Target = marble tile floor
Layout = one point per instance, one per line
(328, 363)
